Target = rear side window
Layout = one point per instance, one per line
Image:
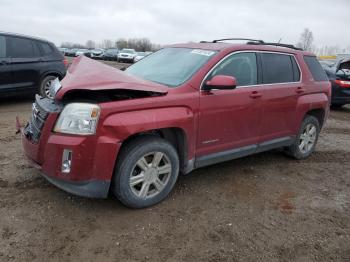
(315, 68)
(22, 48)
(242, 66)
(46, 48)
(2, 46)
(277, 68)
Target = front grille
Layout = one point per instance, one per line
(40, 111)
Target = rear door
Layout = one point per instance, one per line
(26, 62)
(281, 88)
(5, 66)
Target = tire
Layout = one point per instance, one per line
(44, 86)
(137, 182)
(298, 150)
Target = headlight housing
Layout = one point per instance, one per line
(78, 119)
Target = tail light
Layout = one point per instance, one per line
(65, 62)
(342, 83)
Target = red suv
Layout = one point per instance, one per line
(184, 107)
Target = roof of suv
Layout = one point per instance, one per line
(24, 36)
(220, 46)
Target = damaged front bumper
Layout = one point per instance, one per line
(92, 158)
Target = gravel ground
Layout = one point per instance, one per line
(265, 207)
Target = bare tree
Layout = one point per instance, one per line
(72, 45)
(306, 40)
(107, 43)
(122, 43)
(90, 44)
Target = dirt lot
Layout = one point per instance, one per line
(265, 207)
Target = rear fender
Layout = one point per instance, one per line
(310, 102)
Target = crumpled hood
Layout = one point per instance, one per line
(87, 74)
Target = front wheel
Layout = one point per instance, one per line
(146, 172)
(306, 139)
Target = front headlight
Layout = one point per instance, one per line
(78, 119)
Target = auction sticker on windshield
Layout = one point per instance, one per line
(202, 52)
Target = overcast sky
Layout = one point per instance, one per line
(167, 22)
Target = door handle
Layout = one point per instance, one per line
(300, 90)
(255, 94)
(4, 62)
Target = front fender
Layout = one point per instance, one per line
(123, 125)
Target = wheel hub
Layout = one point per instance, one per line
(151, 175)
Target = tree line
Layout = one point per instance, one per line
(139, 44)
(306, 42)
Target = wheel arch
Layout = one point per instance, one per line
(174, 135)
(319, 113)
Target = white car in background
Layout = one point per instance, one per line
(126, 55)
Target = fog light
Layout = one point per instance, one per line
(66, 161)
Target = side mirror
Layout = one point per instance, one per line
(221, 82)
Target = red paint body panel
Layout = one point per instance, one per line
(212, 121)
(88, 74)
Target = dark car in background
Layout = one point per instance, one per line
(111, 54)
(338, 73)
(28, 65)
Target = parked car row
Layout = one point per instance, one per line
(123, 55)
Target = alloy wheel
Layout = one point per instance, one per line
(150, 175)
(307, 138)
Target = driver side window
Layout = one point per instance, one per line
(242, 66)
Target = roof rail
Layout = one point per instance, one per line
(237, 39)
(255, 42)
(276, 44)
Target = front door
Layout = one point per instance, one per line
(230, 119)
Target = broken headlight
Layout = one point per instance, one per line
(78, 119)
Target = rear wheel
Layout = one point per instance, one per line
(146, 172)
(306, 140)
(45, 86)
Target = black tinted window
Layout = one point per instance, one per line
(46, 48)
(277, 68)
(2, 46)
(242, 66)
(22, 48)
(315, 68)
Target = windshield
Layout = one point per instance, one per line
(171, 66)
